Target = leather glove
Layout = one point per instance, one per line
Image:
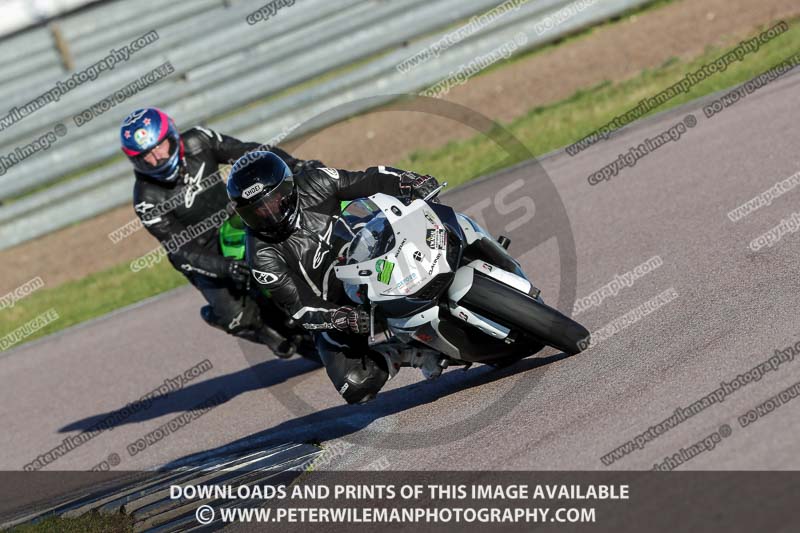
(238, 271)
(352, 319)
(416, 185)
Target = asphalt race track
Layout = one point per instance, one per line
(734, 308)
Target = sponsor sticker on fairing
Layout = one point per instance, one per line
(407, 283)
(436, 239)
(384, 269)
(434, 263)
(400, 248)
(430, 217)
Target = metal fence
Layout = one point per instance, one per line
(235, 77)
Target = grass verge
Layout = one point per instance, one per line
(560, 124)
(542, 130)
(90, 297)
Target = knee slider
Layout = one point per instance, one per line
(365, 378)
(210, 317)
(358, 378)
(228, 324)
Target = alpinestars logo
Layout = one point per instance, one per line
(142, 208)
(189, 268)
(319, 255)
(264, 278)
(237, 321)
(193, 187)
(134, 117)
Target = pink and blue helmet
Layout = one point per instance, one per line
(143, 130)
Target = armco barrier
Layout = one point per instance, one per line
(199, 98)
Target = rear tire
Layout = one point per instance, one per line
(517, 309)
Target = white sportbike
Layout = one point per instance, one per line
(441, 290)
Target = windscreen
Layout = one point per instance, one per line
(369, 232)
(373, 240)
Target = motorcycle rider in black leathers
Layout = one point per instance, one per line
(291, 253)
(178, 186)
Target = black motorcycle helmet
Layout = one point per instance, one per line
(264, 194)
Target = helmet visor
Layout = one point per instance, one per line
(157, 158)
(272, 211)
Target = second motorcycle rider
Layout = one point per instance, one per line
(178, 188)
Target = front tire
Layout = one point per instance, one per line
(514, 308)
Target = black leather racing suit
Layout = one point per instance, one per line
(197, 198)
(298, 272)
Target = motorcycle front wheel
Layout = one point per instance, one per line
(510, 306)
